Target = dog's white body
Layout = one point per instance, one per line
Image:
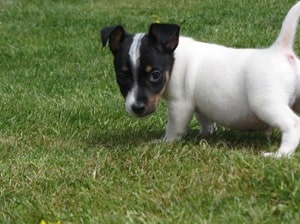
(246, 89)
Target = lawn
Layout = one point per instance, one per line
(69, 152)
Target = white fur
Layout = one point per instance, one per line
(246, 89)
(134, 51)
(134, 55)
(131, 99)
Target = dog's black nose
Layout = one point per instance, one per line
(138, 108)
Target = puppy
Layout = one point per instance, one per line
(244, 89)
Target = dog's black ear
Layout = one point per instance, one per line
(115, 35)
(165, 35)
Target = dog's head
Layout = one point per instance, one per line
(143, 64)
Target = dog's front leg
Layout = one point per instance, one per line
(179, 117)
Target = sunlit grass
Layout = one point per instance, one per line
(69, 153)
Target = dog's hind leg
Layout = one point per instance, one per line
(268, 132)
(207, 126)
(283, 118)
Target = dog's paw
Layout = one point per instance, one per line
(268, 154)
(276, 155)
(171, 139)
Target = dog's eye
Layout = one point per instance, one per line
(155, 76)
(122, 77)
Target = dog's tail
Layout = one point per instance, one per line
(289, 27)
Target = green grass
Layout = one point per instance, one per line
(70, 153)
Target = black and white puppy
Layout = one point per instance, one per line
(245, 89)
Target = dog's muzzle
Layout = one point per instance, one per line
(140, 109)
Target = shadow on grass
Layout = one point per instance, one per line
(226, 139)
(131, 137)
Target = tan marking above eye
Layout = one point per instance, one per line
(125, 69)
(148, 69)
